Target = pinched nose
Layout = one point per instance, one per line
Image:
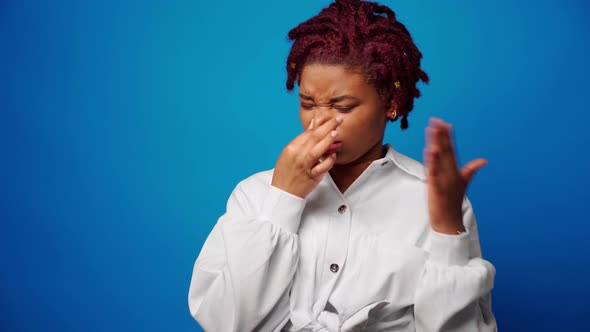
(322, 114)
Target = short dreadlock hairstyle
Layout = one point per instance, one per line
(366, 35)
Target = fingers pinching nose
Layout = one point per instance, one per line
(310, 125)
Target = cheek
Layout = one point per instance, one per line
(362, 128)
(376, 121)
(352, 129)
(305, 119)
(358, 122)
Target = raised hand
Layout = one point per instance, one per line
(306, 159)
(447, 184)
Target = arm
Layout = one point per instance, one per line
(454, 293)
(242, 277)
(243, 274)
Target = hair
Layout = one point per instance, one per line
(365, 35)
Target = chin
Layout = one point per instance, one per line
(350, 158)
(343, 159)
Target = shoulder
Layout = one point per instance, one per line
(248, 194)
(257, 183)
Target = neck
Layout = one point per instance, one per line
(344, 175)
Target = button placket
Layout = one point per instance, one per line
(337, 245)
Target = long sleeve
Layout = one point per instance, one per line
(454, 293)
(243, 274)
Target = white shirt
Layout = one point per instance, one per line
(364, 260)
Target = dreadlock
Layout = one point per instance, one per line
(363, 34)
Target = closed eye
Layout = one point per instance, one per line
(345, 109)
(342, 109)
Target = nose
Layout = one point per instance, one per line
(321, 114)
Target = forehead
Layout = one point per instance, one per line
(328, 81)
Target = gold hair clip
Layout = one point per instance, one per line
(397, 84)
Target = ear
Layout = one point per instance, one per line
(392, 113)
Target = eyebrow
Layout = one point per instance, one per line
(333, 100)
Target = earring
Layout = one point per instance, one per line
(393, 115)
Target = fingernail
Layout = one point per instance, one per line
(334, 133)
(339, 119)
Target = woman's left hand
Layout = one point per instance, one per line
(447, 184)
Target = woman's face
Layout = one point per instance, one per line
(327, 91)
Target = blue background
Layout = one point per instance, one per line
(125, 126)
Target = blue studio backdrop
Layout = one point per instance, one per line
(126, 124)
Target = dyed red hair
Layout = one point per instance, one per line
(365, 35)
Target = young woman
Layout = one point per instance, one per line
(345, 233)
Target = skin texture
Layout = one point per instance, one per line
(358, 123)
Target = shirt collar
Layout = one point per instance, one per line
(403, 162)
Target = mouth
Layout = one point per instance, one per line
(334, 147)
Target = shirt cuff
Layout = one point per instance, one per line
(447, 249)
(283, 209)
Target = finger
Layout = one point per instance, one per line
(425, 158)
(438, 132)
(324, 130)
(435, 123)
(445, 140)
(428, 136)
(440, 139)
(471, 168)
(437, 127)
(323, 167)
(321, 147)
(433, 135)
(433, 151)
(302, 138)
(431, 146)
(434, 158)
(448, 154)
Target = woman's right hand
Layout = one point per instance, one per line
(300, 168)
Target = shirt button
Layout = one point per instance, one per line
(334, 268)
(342, 208)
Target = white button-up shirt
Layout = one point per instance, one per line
(363, 260)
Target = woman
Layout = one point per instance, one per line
(345, 233)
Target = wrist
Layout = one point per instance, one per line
(286, 188)
(450, 229)
(283, 209)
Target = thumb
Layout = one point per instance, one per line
(471, 168)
